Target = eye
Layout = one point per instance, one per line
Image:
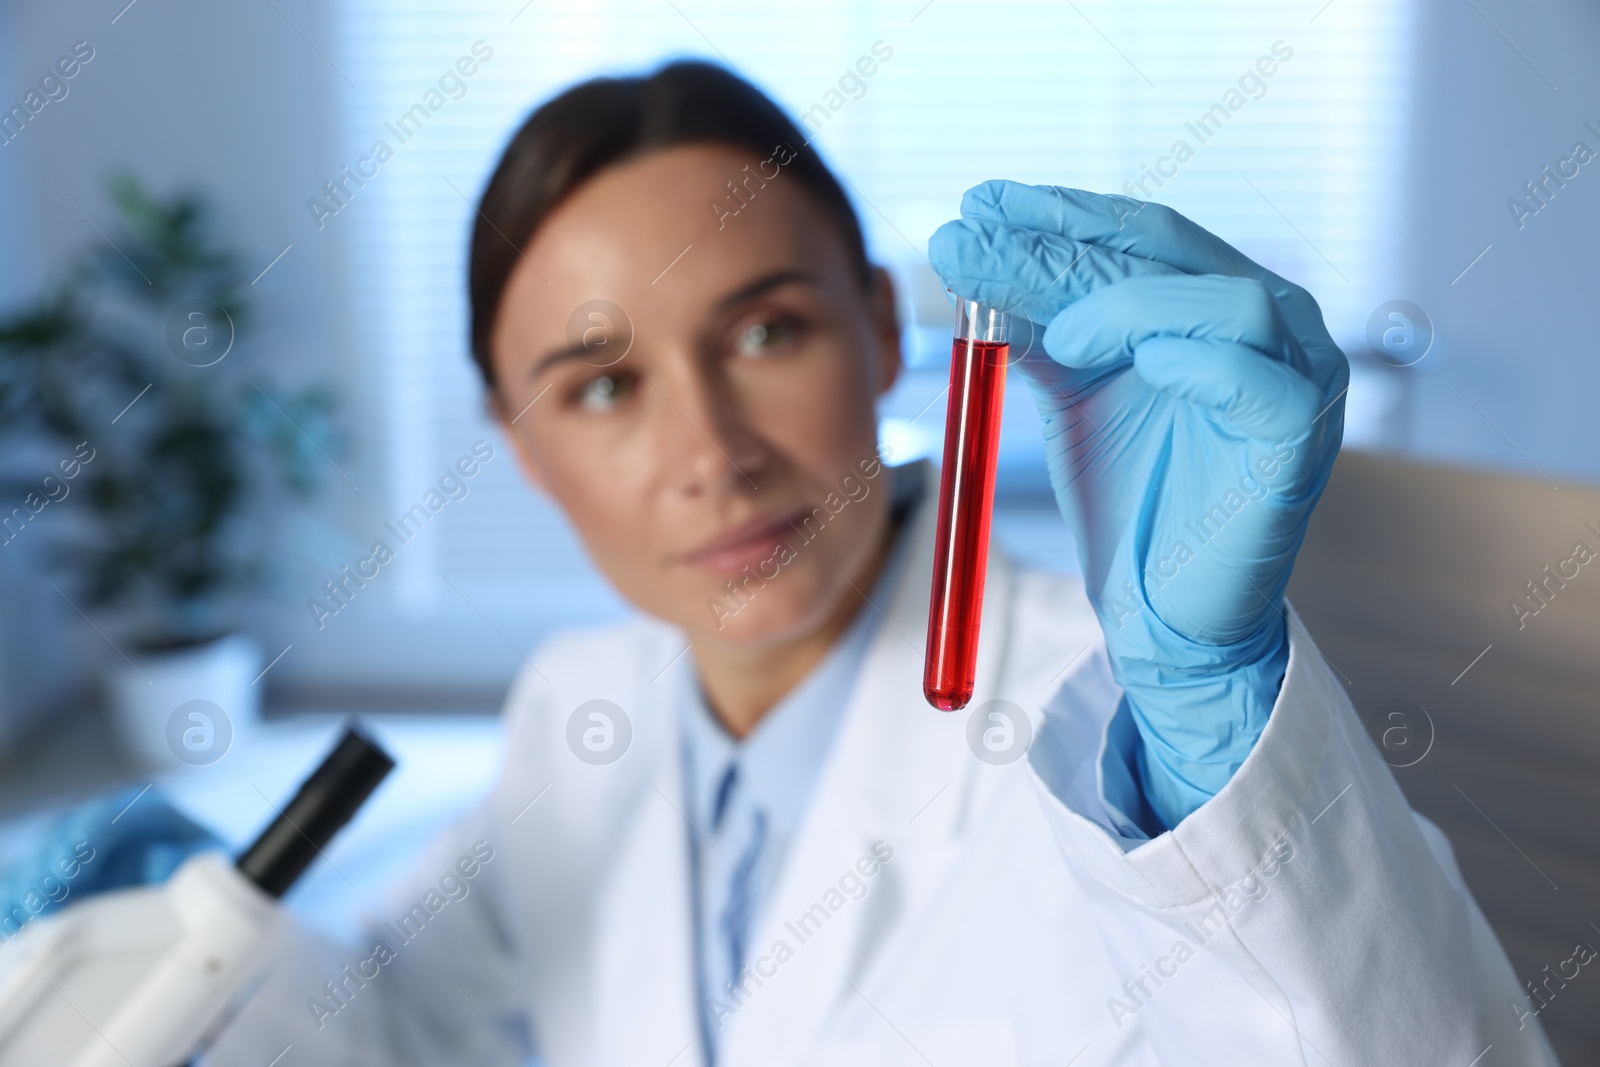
(760, 338)
(605, 392)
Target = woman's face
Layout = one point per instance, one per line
(736, 440)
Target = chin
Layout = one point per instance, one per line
(768, 617)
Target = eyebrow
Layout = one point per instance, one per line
(766, 284)
(760, 287)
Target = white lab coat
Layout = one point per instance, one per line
(1305, 915)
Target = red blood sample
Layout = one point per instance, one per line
(966, 503)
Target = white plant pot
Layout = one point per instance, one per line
(187, 706)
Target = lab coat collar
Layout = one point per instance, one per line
(646, 1013)
(899, 783)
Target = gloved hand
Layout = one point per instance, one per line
(111, 841)
(1193, 404)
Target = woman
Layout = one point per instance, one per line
(731, 831)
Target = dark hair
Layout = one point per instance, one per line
(605, 121)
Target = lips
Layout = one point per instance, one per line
(745, 545)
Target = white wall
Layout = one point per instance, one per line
(1516, 334)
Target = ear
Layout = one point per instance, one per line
(886, 325)
(496, 411)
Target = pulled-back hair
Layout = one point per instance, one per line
(605, 121)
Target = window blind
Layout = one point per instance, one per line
(1291, 166)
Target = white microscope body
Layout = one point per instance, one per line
(135, 977)
(144, 977)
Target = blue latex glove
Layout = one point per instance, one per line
(1193, 404)
(109, 842)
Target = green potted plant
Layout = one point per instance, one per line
(166, 447)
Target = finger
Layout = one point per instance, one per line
(1056, 381)
(1134, 227)
(1106, 327)
(1149, 231)
(1024, 271)
(1249, 392)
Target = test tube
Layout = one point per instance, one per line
(978, 358)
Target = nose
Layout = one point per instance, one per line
(707, 444)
